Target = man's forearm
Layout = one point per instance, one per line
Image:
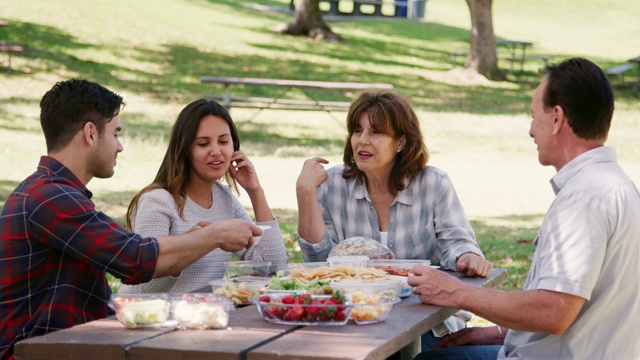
(532, 310)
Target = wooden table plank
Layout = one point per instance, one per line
(106, 339)
(375, 341)
(246, 330)
(408, 320)
(223, 344)
(248, 337)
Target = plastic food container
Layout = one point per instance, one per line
(390, 288)
(142, 310)
(201, 311)
(247, 268)
(307, 265)
(348, 260)
(292, 309)
(256, 239)
(239, 290)
(371, 308)
(397, 267)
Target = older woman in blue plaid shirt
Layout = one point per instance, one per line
(385, 191)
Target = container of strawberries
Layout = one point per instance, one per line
(305, 308)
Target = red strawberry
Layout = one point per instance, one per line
(339, 316)
(313, 311)
(297, 313)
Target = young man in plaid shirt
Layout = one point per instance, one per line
(56, 248)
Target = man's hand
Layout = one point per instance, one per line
(434, 286)
(471, 265)
(472, 336)
(199, 226)
(235, 235)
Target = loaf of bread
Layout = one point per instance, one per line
(359, 245)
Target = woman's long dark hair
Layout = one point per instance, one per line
(173, 174)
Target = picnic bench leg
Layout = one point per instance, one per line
(524, 54)
(411, 350)
(513, 58)
(226, 101)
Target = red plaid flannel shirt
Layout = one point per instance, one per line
(55, 249)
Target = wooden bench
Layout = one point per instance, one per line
(284, 103)
(10, 49)
(618, 71)
(545, 58)
(522, 60)
(454, 55)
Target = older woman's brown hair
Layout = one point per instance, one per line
(393, 115)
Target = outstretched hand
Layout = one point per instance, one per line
(237, 234)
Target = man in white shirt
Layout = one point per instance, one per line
(582, 296)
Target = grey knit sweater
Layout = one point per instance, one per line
(158, 215)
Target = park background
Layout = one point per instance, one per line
(154, 52)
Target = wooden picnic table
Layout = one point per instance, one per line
(10, 49)
(636, 60)
(517, 51)
(249, 337)
(282, 101)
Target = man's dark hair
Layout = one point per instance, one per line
(583, 91)
(70, 104)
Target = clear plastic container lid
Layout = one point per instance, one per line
(201, 311)
(348, 260)
(141, 310)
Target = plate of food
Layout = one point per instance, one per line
(240, 289)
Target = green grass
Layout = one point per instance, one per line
(154, 53)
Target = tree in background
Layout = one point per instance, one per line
(482, 57)
(308, 21)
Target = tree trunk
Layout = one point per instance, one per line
(308, 21)
(482, 57)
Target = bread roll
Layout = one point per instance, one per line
(359, 245)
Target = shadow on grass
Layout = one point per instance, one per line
(380, 44)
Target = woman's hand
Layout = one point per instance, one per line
(312, 174)
(471, 265)
(472, 336)
(244, 172)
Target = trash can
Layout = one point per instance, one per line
(417, 8)
(401, 8)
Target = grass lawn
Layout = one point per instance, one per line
(154, 53)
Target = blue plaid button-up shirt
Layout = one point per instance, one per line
(427, 220)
